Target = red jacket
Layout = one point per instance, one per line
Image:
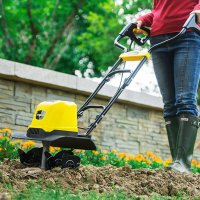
(168, 16)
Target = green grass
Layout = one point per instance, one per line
(38, 192)
(50, 193)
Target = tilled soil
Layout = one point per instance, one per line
(103, 179)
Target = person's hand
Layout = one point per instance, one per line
(139, 24)
(138, 30)
(198, 15)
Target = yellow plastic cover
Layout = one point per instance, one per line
(56, 115)
(132, 56)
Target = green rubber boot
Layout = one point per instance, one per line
(172, 127)
(187, 134)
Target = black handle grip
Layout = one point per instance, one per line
(128, 31)
(191, 23)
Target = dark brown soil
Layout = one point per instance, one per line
(103, 179)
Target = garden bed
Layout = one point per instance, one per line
(139, 182)
(104, 172)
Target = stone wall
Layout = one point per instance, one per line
(134, 124)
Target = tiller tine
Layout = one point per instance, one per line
(62, 159)
(32, 157)
(70, 161)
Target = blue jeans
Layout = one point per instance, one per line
(177, 69)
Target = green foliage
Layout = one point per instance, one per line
(8, 149)
(98, 158)
(57, 192)
(195, 169)
(138, 165)
(64, 35)
(101, 158)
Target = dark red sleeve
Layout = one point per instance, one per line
(146, 19)
(197, 7)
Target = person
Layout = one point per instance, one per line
(177, 70)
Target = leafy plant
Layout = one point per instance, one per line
(65, 35)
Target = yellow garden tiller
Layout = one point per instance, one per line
(56, 123)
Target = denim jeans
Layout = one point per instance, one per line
(177, 69)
